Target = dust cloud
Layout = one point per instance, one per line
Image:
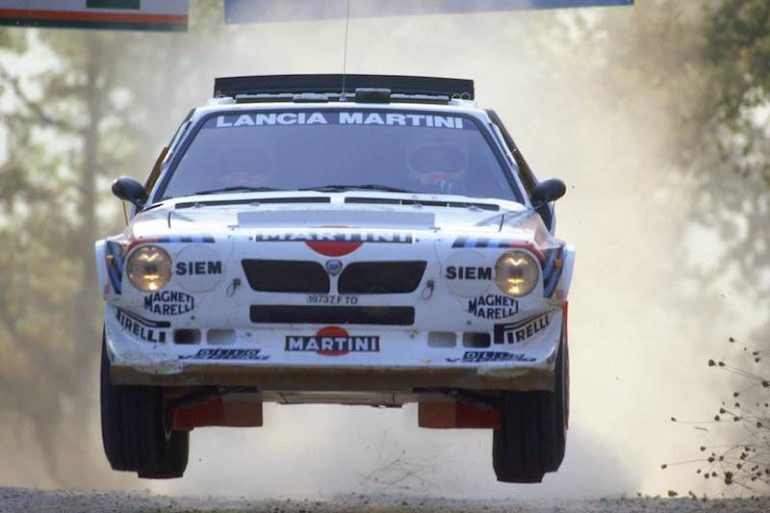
(636, 351)
(633, 359)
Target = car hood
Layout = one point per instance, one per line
(270, 261)
(239, 213)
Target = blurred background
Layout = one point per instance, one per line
(656, 116)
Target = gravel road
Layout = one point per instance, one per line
(18, 500)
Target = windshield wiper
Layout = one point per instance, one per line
(237, 188)
(363, 187)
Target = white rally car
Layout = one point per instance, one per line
(369, 240)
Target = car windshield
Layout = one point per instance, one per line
(337, 150)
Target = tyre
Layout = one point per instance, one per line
(133, 430)
(532, 438)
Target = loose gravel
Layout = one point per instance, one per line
(20, 500)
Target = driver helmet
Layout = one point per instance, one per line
(246, 166)
(438, 165)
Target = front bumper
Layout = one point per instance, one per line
(343, 378)
(367, 359)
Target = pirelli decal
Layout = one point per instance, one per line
(140, 327)
(522, 331)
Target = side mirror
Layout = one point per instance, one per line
(548, 190)
(128, 189)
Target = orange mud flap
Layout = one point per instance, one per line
(457, 415)
(218, 411)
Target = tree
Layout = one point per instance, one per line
(708, 63)
(50, 302)
(69, 130)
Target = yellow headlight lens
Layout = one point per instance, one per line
(149, 268)
(516, 273)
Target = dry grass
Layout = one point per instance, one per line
(741, 456)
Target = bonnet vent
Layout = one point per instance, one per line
(254, 201)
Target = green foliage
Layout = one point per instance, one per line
(101, 108)
(108, 101)
(49, 318)
(709, 64)
(738, 46)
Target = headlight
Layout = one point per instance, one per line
(149, 268)
(516, 273)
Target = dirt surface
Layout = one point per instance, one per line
(18, 500)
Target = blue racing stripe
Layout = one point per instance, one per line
(552, 272)
(115, 269)
(180, 239)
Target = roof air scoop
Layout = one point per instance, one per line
(333, 84)
(372, 95)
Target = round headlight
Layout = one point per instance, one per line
(149, 268)
(516, 273)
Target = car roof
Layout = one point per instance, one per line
(382, 92)
(219, 105)
(345, 85)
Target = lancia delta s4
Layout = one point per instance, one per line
(363, 240)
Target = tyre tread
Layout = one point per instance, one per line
(133, 433)
(532, 439)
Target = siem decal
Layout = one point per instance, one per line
(333, 341)
(169, 302)
(226, 354)
(198, 268)
(145, 329)
(491, 356)
(468, 273)
(493, 306)
(331, 299)
(518, 332)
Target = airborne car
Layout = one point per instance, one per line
(365, 240)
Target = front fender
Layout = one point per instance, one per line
(568, 264)
(101, 268)
(109, 267)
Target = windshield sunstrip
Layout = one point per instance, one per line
(435, 123)
(338, 118)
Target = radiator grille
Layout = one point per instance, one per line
(286, 276)
(293, 314)
(381, 277)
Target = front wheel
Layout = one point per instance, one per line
(134, 430)
(532, 439)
